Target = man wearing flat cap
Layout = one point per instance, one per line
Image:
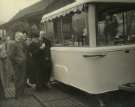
(18, 59)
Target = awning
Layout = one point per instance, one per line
(74, 7)
(78, 5)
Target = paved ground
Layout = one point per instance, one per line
(56, 98)
(114, 99)
(48, 98)
(23, 102)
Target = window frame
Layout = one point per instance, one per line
(124, 25)
(62, 44)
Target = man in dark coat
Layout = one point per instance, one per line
(18, 58)
(33, 67)
(28, 60)
(32, 47)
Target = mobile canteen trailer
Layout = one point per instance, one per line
(93, 44)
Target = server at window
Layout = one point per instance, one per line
(111, 27)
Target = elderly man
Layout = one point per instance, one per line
(18, 59)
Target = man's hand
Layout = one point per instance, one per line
(42, 46)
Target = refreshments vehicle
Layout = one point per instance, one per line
(93, 44)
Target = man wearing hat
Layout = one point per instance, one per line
(33, 67)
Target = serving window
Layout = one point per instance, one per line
(115, 24)
(70, 30)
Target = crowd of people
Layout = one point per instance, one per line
(26, 60)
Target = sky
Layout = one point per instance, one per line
(8, 8)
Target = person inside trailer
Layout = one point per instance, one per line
(111, 27)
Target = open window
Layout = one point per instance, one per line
(115, 24)
(70, 29)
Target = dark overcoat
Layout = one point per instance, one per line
(32, 58)
(41, 64)
(45, 61)
(18, 58)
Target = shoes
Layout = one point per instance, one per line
(30, 84)
(49, 85)
(43, 87)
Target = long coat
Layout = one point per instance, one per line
(18, 58)
(6, 69)
(32, 67)
(45, 61)
(40, 62)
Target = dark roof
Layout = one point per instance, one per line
(58, 4)
(41, 8)
(37, 7)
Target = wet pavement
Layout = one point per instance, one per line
(56, 97)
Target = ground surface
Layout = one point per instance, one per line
(55, 97)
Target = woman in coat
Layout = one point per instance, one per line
(45, 61)
(39, 50)
(6, 69)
